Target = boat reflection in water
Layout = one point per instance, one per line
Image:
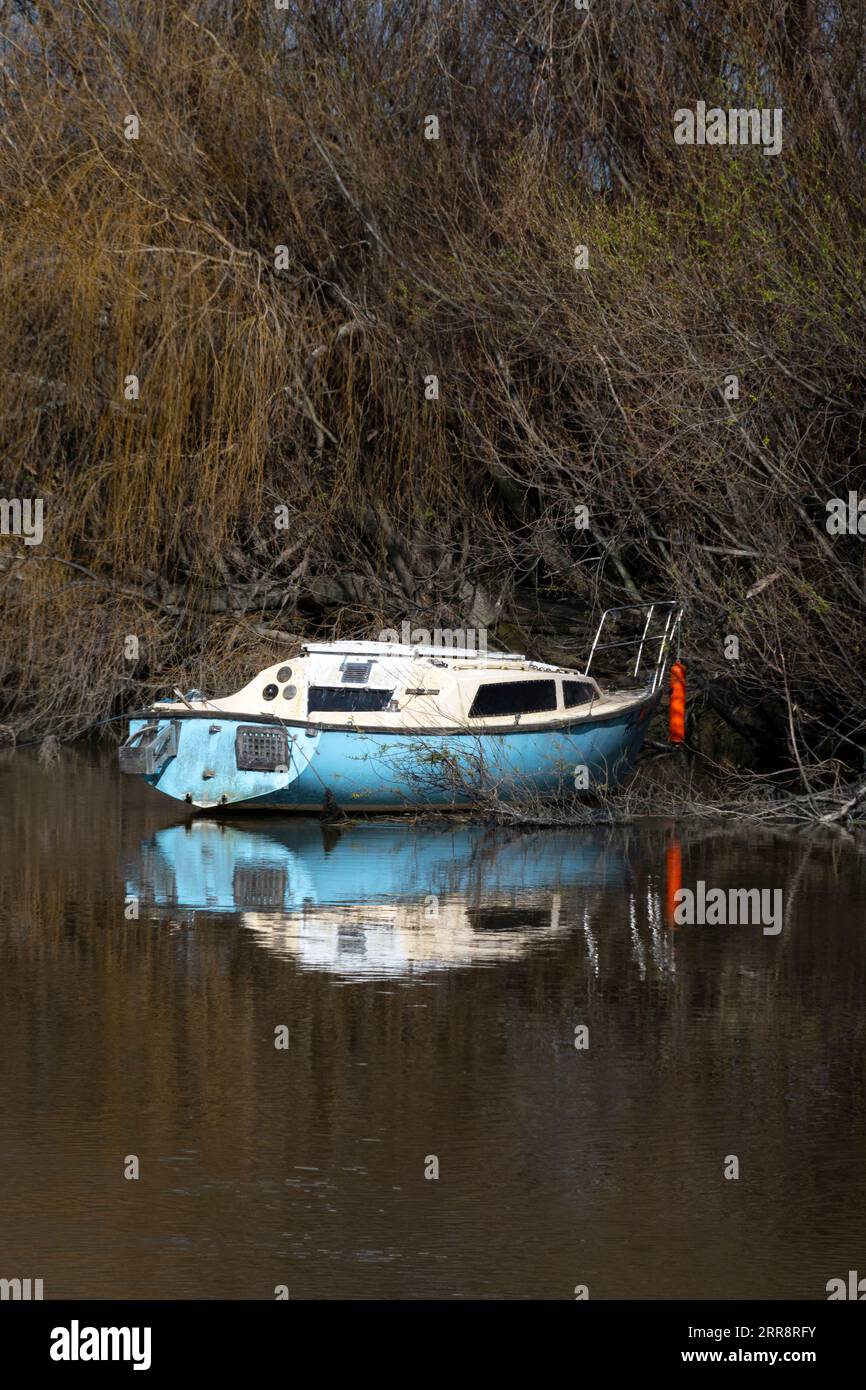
(379, 899)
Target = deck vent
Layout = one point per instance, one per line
(258, 885)
(259, 749)
(355, 672)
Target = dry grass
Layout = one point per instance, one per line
(303, 386)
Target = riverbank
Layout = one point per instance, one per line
(275, 362)
(669, 782)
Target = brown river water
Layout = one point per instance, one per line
(342, 1058)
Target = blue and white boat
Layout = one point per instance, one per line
(378, 897)
(380, 726)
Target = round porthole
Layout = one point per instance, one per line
(270, 692)
(284, 674)
(290, 692)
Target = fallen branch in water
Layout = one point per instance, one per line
(699, 790)
(845, 810)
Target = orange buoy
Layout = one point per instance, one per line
(673, 881)
(677, 707)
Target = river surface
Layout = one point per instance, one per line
(405, 1060)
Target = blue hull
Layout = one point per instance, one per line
(395, 771)
(221, 868)
(374, 898)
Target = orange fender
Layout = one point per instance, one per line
(674, 881)
(677, 707)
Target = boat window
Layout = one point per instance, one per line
(513, 697)
(577, 693)
(508, 919)
(340, 697)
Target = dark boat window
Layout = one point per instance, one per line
(513, 697)
(339, 697)
(577, 693)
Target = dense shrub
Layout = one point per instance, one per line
(297, 378)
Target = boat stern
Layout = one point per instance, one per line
(206, 760)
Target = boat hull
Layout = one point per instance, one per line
(374, 770)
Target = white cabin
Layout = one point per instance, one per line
(383, 685)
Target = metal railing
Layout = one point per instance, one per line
(669, 610)
(147, 751)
